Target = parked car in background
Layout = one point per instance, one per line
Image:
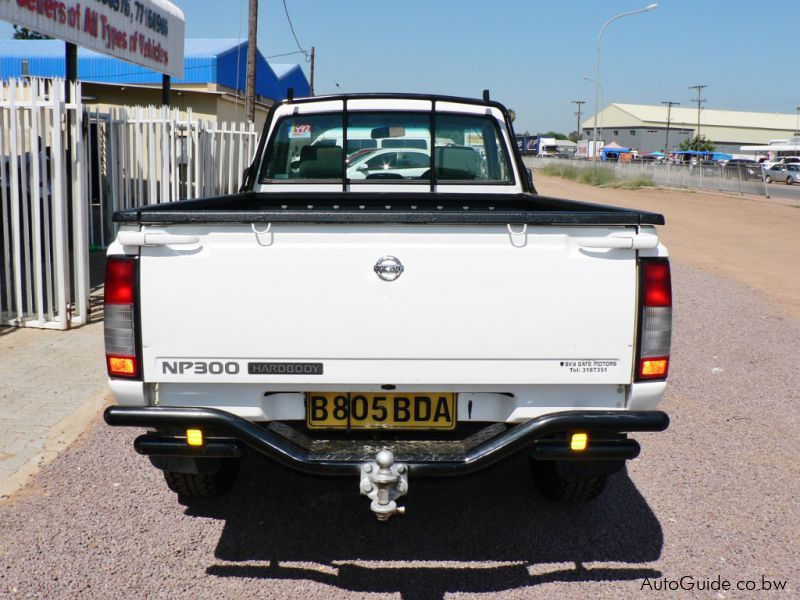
(743, 167)
(397, 164)
(781, 160)
(788, 174)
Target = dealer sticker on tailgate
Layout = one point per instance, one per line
(337, 410)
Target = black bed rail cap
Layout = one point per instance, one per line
(383, 207)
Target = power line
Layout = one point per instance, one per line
(329, 74)
(285, 54)
(291, 26)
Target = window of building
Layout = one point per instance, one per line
(632, 132)
(615, 131)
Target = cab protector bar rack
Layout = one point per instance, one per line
(267, 442)
(251, 173)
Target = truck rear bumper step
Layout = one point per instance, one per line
(291, 453)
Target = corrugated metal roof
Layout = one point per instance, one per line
(681, 116)
(282, 70)
(220, 61)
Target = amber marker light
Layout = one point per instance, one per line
(654, 368)
(579, 441)
(121, 366)
(194, 437)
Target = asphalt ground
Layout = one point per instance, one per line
(790, 194)
(715, 496)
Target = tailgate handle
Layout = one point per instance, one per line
(634, 241)
(141, 238)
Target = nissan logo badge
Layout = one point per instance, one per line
(388, 268)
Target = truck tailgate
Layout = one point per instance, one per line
(475, 304)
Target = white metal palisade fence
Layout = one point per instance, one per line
(148, 155)
(65, 168)
(44, 274)
(738, 180)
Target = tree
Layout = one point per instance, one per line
(553, 134)
(23, 33)
(701, 144)
(574, 136)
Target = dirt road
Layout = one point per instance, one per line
(744, 238)
(715, 496)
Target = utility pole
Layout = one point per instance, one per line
(797, 125)
(250, 87)
(699, 101)
(312, 72)
(579, 103)
(669, 104)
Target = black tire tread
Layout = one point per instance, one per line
(580, 489)
(566, 490)
(201, 485)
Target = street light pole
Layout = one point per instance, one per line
(597, 67)
(602, 99)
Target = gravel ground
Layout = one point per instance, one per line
(716, 495)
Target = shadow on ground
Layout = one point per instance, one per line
(275, 516)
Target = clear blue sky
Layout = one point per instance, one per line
(531, 54)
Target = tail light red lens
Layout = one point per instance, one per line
(120, 279)
(655, 332)
(656, 282)
(120, 317)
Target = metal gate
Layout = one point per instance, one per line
(148, 155)
(44, 278)
(65, 169)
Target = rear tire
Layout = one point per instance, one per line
(789, 181)
(203, 485)
(768, 179)
(565, 489)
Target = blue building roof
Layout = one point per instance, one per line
(206, 61)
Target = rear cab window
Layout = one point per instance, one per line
(386, 147)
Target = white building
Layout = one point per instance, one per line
(644, 127)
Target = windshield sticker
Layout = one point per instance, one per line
(300, 132)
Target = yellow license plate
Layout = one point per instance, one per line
(337, 410)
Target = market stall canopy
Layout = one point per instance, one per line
(149, 33)
(614, 149)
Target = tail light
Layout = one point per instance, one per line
(655, 319)
(120, 317)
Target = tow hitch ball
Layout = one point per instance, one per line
(383, 482)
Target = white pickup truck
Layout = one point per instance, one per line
(413, 321)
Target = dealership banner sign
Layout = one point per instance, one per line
(149, 33)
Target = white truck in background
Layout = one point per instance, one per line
(407, 323)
